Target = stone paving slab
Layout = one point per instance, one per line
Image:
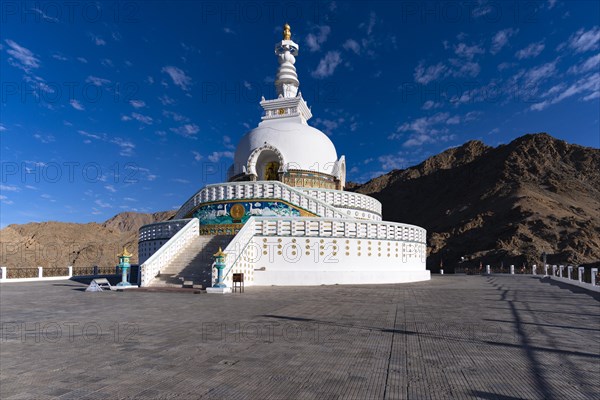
(454, 337)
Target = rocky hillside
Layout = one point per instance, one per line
(59, 244)
(505, 204)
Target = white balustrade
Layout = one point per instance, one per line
(152, 266)
(318, 201)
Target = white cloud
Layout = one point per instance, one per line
(216, 156)
(102, 204)
(453, 120)
(82, 60)
(179, 180)
(59, 57)
(501, 38)
(353, 45)
(126, 147)
(178, 76)
(466, 51)
(327, 65)
(228, 30)
(197, 156)
(166, 100)
(430, 104)
(23, 58)
(175, 116)
(533, 50)
(583, 40)
(9, 188)
(98, 41)
(44, 139)
(316, 39)
(589, 85)
(592, 63)
(110, 188)
(424, 75)
(187, 130)
(142, 118)
(44, 16)
(2, 128)
(137, 103)
(77, 105)
(94, 80)
(551, 4)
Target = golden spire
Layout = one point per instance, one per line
(287, 34)
(220, 253)
(125, 253)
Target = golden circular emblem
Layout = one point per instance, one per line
(237, 211)
(281, 111)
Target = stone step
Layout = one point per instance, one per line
(193, 264)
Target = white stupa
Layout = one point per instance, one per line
(283, 218)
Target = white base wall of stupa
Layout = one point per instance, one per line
(313, 261)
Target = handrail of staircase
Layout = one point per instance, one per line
(244, 239)
(189, 204)
(151, 267)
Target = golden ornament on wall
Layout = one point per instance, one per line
(237, 212)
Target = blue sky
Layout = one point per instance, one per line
(117, 106)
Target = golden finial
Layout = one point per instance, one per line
(287, 33)
(125, 253)
(220, 253)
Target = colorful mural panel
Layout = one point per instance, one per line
(239, 212)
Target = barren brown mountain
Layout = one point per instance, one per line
(59, 244)
(505, 204)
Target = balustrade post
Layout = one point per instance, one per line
(580, 277)
(594, 273)
(488, 270)
(3, 272)
(534, 269)
(560, 270)
(546, 270)
(554, 267)
(512, 269)
(70, 269)
(570, 271)
(40, 272)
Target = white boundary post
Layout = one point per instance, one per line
(70, 268)
(580, 275)
(512, 269)
(569, 271)
(40, 272)
(594, 272)
(3, 272)
(533, 269)
(488, 270)
(561, 270)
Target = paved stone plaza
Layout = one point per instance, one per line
(498, 337)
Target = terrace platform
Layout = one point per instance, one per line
(454, 337)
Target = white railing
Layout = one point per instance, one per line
(161, 230)
(346, 228)
(236, 248)
(152, 266)
(340, 198)
(260, 190)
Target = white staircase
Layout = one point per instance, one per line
(193, 263)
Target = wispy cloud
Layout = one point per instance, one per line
(137, 103)
(76, 105)
(22, 57)
(187, 130)
(533, 50)
(94, 80)
(501, 39)
(315, 39)
(216, 156)
(145, 119)
(582, 40)
(588, 86)
(352, 45)
(178, 76)
(327, 65)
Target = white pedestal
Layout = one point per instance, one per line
(441, 272)
(218, 290)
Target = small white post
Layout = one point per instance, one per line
(40, 272)
(488, 270)
(3, 272)
(560, 270)
(569, 271)
(594, 272)
(512, 269)
(546, 270)
(554, 267)
(533, 268)
(70, 268)
(580, 274)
